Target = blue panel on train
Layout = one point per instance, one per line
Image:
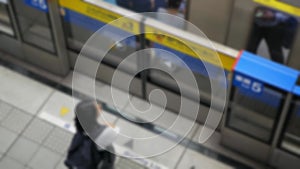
(94, 25)
(41, 5)
(297, 90)
(255, 89)
(247, 83)
(194, 64)
(266, 71)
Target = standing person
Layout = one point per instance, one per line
(83, 152)
(269, 25)
(138, 6)
(124, 3)
(173, 9)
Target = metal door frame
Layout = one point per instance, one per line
(57, 63)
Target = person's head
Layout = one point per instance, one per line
(87, 112)
(174, 4)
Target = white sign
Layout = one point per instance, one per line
(248, 83)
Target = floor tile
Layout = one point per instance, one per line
(4, 110)
(44, 159)
(9, 163)
(141, 109)
(38, 130)
(61, 105)
(59, 110)
(23, 150)
(124, 163)
(29, 97)
(16, 120)
(61, 164)
(81, 83)
(102, 91)
(58, 141)
(214, 143)
(104, 94)
(6, 139)
(194, 160)
(145, 143)
(167, 120)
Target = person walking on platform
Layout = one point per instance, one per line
(83, 152)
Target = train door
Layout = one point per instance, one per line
(287, 152)
(8, 34)
(40, 34)
(257, 99)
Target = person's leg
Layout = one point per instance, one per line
(274, 39)
(254, 39)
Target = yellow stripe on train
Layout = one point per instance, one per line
(101, 14)
(282, 6)
(195, 50)
(106, 16)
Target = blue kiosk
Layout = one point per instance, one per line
(258, 104)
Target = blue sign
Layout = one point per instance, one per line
(247, 83)
(41, 5)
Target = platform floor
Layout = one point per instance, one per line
(36, 114)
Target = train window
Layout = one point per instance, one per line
(255, 114)
(170, 60)
(34, 26)
(79, 28)
(5, 22)
(172, 7)
(272, 34)
(291, 135)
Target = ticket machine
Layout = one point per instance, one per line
(260, 94)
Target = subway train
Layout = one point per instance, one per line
(51, 34)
